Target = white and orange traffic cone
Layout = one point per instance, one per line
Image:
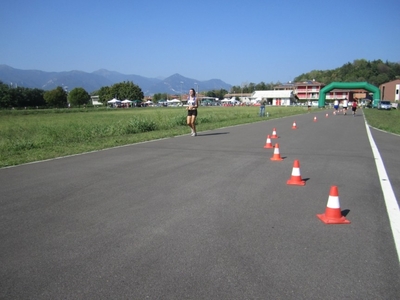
(276, 155)
(315, 119)
(268, 143)
(333, 214)
(294, 126)
(274, 135)
(295, 179)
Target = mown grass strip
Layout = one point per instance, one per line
(32, 135)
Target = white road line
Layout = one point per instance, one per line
(390, 199)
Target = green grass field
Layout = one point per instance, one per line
(32, 135)
(387, 120)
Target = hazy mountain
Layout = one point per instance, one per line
(115, 77)
(50, 80)
(177, 84)
(174, 84)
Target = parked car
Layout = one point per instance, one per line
(366, 103)
(383, 104)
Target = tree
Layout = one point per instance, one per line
(5, 97)
(103, 93)
(220, 94)
(35, 97)
(20, 96)
(78, 96)
(27, 97)
(248, 89)
(123, 90)
(159, 96)
(56, 97)
(126, 90)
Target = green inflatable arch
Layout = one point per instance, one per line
(347, 85)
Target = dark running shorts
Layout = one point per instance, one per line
(336, 107)
(192, 113)
(353, 108)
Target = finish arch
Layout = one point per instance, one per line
(347, 86)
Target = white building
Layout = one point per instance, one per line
(273, 97)
(96, 100)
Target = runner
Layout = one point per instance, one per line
(309, 105)
(336, 106)
(354, 107)
(192, 111)
(345, 103)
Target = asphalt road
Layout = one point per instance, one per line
(206, 217)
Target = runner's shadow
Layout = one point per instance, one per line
(216, 133)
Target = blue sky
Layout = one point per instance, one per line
(238, 42)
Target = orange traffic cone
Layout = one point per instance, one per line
(268, 143)
(276, 155)
(295, 179)
(315, 119)
(294, 126)
(274, 135)
(333, 214)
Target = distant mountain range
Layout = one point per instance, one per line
(174, 84)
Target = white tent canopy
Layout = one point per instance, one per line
(173, 101)
(126, 101)
(114, 101)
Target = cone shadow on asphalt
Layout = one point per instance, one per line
(345, 212)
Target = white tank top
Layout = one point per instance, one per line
(192, 101)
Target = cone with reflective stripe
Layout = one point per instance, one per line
(333, 214)
(268, 143)
(276, 155)
(294, 126)
(315, 119)
(295, 179)
(274, 135)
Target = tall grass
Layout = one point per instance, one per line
(388, 120)
(31, 135)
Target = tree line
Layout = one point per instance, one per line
(213, 93)
(375, 72)
(11, 97)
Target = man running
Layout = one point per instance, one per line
(345, 104)
(354, 107)
(336, 105)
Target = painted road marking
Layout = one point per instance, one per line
(392, 205)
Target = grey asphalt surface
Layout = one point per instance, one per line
(206, 217)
